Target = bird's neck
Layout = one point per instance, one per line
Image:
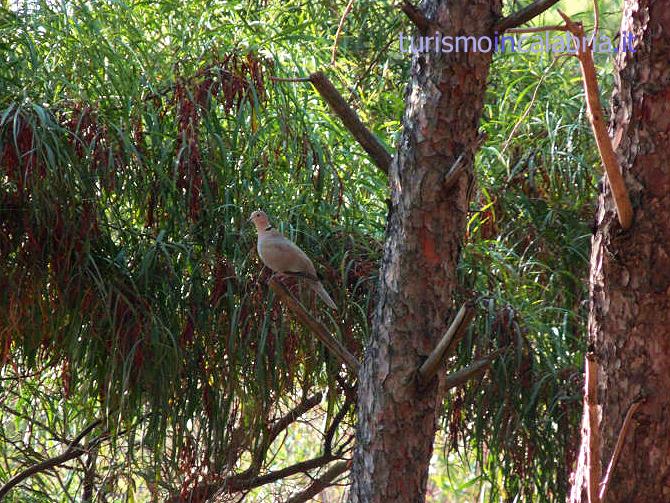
(264, 231)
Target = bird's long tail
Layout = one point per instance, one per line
(321, 292)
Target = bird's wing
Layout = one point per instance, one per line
(282, 255)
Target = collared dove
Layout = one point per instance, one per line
(284, 257)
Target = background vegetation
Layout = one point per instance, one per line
(135, 140)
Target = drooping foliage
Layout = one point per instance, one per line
(135, 140)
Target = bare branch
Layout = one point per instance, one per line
(330, 433)
(449, 341)
(348, 116)
(249, 478)
(351, 121)
(612, 168)
(618, 447)
(471, 371)
(524, 15)
(301, 467)
(290, 418)
(237, 483)
(596, 19)
(321, 332)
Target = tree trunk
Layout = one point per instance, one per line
(629, 322)
(397, 418)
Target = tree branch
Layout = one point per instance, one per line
(73, 451)
(321, 483)
(471, 371)
(237, 483)
(330, 433)
(618, 447)
(448, 342)
(612, 168)
(416, 16)
(365, 138)
(524, 15)
(285, 421)
(321, 332)
(351, 121)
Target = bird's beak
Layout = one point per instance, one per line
(249, 220)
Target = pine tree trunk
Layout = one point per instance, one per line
(629, 322)
(397, 418)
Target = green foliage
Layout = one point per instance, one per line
(526, 260)
(136, 139)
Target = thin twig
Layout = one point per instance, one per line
(618, 447)
(596, 19)
(74, 450)
(528, 108)
(524, 15)
(346, 12)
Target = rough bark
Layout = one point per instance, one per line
(629, 322)
(396, 417)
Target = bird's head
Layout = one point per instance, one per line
(260, 220)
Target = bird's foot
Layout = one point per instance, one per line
(279, 275)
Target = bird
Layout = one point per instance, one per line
(284, 257)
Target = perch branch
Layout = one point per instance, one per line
(471, 371)
(415, 15)
(524, 15)
(452, 336)
(321, 332)
(603, 141)
(618, 447)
